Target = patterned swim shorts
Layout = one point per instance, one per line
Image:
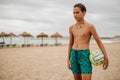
(80, 63)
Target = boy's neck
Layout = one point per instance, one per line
(81, 22)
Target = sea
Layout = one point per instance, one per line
(49, 40)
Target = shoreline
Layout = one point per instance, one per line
(44, 45)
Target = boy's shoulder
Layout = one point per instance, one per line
(71, 27)
(90, 25)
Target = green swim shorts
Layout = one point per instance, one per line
(80, 63)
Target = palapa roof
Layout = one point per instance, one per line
(56, 35)
(12, 34)
(3, 34)
(42, 34)
(25, 34)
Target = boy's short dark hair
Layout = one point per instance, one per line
(81, 6)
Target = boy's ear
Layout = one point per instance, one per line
(84, 12)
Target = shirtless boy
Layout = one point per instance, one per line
(78, 49)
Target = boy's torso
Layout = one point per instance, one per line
(81, 37)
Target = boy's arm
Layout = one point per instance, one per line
(70, 42)
(70, 46)
(101, 46)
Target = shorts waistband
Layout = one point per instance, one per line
(81, 49)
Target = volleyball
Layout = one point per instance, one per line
(96, 57)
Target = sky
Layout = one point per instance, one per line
(50, 16)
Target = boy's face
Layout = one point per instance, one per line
(78, 14)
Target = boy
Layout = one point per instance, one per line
(78, 49)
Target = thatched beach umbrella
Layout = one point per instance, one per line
(11, 35)
(42, 35)
(3, 34)
(26, 35)
(56, 35)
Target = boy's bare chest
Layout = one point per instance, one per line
(82, 32)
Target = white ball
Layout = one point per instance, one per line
(96, 57)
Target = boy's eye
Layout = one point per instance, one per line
(75, 12)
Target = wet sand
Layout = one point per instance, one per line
(49, 63)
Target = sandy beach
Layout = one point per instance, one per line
(49, 63)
